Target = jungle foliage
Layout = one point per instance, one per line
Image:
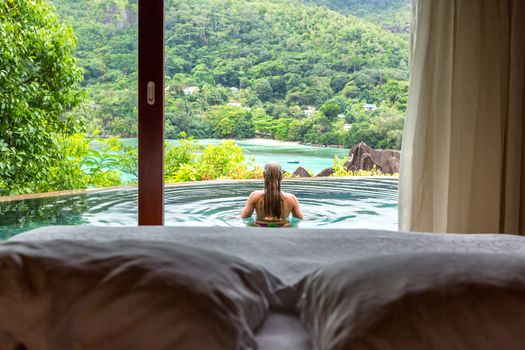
(39, 82)
(283, 69)
(275, 68)
(391, 15)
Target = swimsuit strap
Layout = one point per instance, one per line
(264, 223)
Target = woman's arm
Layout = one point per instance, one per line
(249, 207)
(296, 208)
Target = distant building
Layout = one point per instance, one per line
(347, 127)
(234, 104)
(309, 111)
(341, 116)
(190, 90)
(370, 107)
(234, 90)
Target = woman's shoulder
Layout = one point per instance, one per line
(289, 196)
(256, 194)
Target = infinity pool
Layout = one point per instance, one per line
(330, 203)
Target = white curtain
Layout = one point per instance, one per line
(462, 164)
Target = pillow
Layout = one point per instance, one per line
(128, 295)
(417, 301)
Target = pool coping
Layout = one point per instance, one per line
(177, 184)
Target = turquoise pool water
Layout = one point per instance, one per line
(332, 203)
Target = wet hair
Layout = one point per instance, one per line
(273, 199)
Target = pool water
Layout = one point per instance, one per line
(331, 203)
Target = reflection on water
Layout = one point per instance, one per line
(334, 203)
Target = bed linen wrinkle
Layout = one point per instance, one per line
(429, 301)
(290, 255)
(128, 294)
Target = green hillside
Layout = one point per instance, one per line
(392, 15)
(239, 67)
(363, 8)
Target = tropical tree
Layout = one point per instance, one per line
(39, 82)
(230, 122)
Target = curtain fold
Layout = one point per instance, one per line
(462, 165)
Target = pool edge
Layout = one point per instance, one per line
(176, 184)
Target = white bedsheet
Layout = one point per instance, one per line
(290, 254)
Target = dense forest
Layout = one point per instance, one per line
(392, 15)
(288, 70)
(330, 73)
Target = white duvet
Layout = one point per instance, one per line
(356, 290)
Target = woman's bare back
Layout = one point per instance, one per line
(290, 205)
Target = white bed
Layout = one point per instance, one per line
(290, 254)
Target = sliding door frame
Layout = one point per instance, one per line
(151, 112)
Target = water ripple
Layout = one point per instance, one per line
(334, 203)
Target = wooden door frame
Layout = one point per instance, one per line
(151, 112)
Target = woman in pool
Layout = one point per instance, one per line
(272, 206)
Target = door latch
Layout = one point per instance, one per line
(151, 93)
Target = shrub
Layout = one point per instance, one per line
(77, 166)
(177, 156)
(183, 162)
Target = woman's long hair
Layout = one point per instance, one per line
(273, 199)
